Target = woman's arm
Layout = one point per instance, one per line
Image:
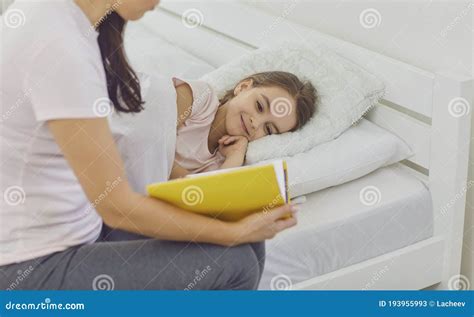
(90, 150)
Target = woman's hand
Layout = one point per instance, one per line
(233, 145)
(263, 225)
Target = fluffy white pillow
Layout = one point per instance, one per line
(346, 91)
(358, 151)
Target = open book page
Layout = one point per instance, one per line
(280, 176)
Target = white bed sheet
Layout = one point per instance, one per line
(336, 229)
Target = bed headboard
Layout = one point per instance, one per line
(430, 111)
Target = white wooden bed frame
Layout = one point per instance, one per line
(416, 104)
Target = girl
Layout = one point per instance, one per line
(63, 178)
(213, 134)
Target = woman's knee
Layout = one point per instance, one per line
(244, 263)
(259, 250)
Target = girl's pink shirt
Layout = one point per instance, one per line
(192, 152)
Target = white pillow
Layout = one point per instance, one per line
(358, 151)
(346, 91)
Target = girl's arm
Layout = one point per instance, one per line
(178, 171)
(89, 148)
(184, 103)
(234, 149)
(234, 160)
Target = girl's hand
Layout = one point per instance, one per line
(230, 145)
(263, 225)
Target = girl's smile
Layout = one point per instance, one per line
(253, 112)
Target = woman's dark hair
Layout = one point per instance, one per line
(304, 92)
(123, 84)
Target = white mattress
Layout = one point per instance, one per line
(336, 229)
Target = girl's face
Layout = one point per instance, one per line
(255, 112)
(131, 10)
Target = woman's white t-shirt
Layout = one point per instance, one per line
(51, 68)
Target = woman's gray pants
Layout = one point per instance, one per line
(121, 260)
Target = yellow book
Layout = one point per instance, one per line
(228, 194)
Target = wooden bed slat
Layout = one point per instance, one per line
(415, 133)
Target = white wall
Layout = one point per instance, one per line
(433, 35)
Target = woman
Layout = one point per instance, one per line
(63, 176)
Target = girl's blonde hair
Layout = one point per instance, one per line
(304, 92)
